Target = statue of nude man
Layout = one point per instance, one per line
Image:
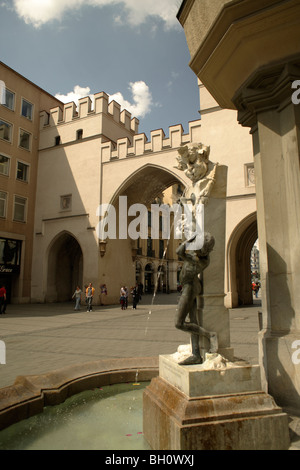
(194, 264)
(194, 161)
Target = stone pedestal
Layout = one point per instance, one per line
(222, 408)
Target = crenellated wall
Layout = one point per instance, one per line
(117, 129)
(71, 112)
(158, 142)
(105, 120)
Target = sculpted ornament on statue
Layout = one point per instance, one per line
(194, 161)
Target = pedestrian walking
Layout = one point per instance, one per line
(122, 302)
(256, 289)
(123, 298)
(89, 297)
(140, 289)
(77, 296)
(135, 296)
(126, 296)
(2, 299)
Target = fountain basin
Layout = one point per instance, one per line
(29, 395)
(105, 418)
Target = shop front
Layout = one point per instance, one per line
(10, 259)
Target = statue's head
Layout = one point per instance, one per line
(208, 246)
(193, 160)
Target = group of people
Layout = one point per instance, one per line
(89, 296)
(89, 292)
(136, 293)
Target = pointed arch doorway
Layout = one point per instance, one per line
(238, 259)
(143, 186)
(65, 268)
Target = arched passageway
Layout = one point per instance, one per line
(238, 262)
(65, 268)
(147, 259)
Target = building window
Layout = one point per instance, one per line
(10, 254)
(139, 248)
(9, 99)
(25, 139)
(22, 171)
(3, 199)
(66, 202)
(57, 140)
(150, 252)
(161, 249)
(79, 134)
(4, 165)
(249, 175)
(27, 109)
(180, 190)
(20, 209)
(5, 130)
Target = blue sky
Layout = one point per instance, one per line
(134, 50)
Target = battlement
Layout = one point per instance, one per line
(70, 113)
(158, 142)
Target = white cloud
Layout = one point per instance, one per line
(39, 12)
(141, 97)
(77, 93)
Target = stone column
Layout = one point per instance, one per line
(265, 105)
(214, 314)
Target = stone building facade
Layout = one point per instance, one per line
(21, 102)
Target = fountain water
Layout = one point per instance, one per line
(105, 418)
(159, 272)
(155, 288)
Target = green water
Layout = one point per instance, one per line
(108, 418)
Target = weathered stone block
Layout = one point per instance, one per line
(230, 417)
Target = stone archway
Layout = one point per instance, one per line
(146, 183)
(238, 262)
(65, 268)
(126, 258)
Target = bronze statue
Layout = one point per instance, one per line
(194, 264)
(194, 161)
